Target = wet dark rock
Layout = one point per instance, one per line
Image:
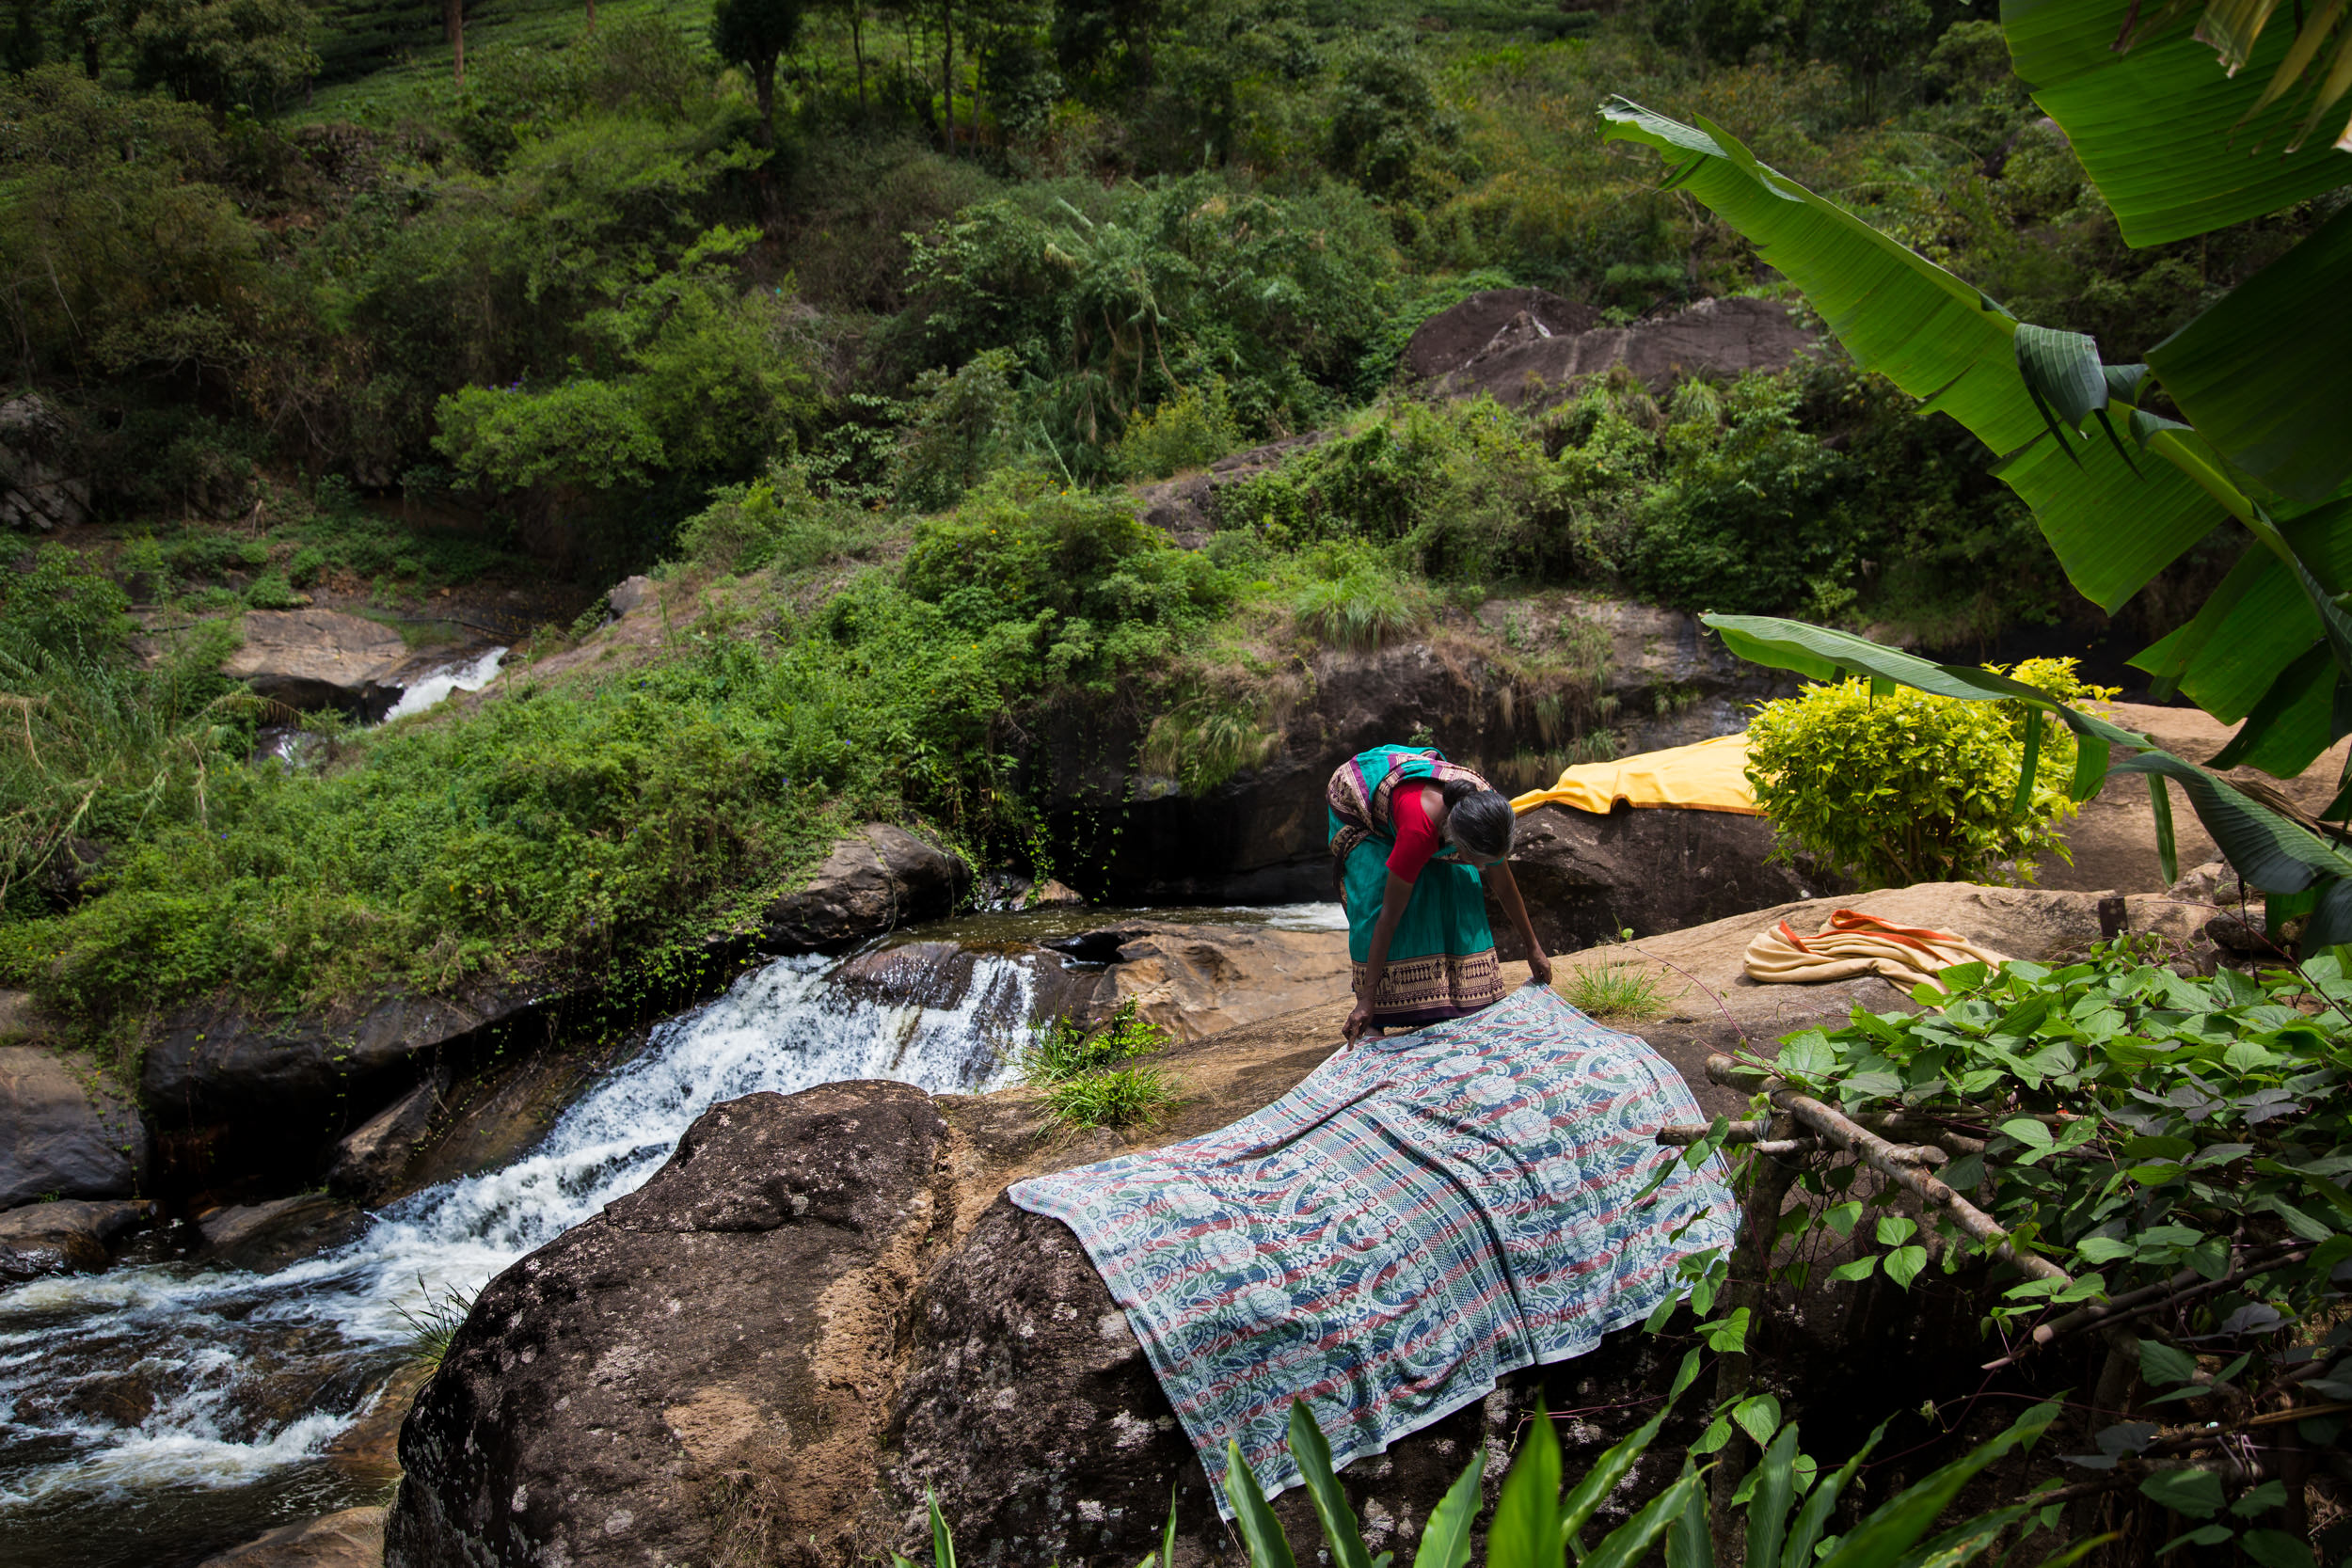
(350, 1539)
(70, 1236)
(1456, 337)
(369, 1161)
(710, 1356)
(64, 1132)
(879, 877)
(299, 1075)
(1587, 877)
(265, 1237)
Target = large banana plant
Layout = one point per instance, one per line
(2185, 126)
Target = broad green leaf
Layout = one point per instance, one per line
(2157, 126)
(2162, 1363)
(1631, 1541)
(2269, 852)
(2167, 845)
(1594, 1487)
(1811, 1519)
(1526, 1528)
(1688, 1543)
(1167, 1530)
(1894, 1525)
(943, 1543)
(1904, 1263)
(2276, 1548)
(1767, 1508)
(1261, 1531)
(1758, 1416)
(1312, 1456)
(2064, 376)
(2265, 373)
(2195, 1492)
(1445, 1540)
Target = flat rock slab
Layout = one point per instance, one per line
(63, 1132)
(1453, 337)
(1715, 336)
(264, 1237)
(350, 1539)
(316, 659)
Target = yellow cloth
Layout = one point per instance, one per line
(1710, 776)
(1850, 943)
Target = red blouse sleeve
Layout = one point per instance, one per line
(1416, 835)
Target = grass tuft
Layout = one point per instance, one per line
(434, 1324)
(1118, 1096)
(1614, 990)
(1085, 1088)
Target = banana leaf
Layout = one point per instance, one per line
(2168, 136)
(2265, 374)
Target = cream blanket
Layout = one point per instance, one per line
(1850, 943)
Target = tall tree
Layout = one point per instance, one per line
(454, 23)
(220, 53)
(756, 34)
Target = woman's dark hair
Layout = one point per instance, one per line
(1483, 821)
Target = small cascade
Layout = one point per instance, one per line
(470, 675)
(155, 1412)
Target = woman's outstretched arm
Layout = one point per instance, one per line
(1507, 888)
(1393, 900)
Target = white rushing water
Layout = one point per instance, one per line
(471, 676)
(127, 1398)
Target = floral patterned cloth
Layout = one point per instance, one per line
(1420, 1216)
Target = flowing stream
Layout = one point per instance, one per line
(470, 675)
(164, 1411)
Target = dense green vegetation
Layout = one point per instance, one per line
(862, 354)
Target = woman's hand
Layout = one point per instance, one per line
(1359, 1021)
(1538, 966)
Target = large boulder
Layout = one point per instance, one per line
(370, 1161)
(878, 877)
(1487, 323)
(1713, 337)
(1587, 877)
(319, 659)
(64, 1132)
(715, 1350)
(70, 1236)
(311, 1077)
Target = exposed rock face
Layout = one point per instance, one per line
(1260, 837)
(1587, 877)
(63, 1131)
(1185, 505)
(319, 659)
(876, 878)
(1715, 336)
(590, 1412)
(1453, 337)
(70, 1236)
(38, 489)
(369, 1161)
(350, 1539)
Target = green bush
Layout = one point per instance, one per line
(1189, 431)
(1355, 599)
(774, 523)
(1079, 1070)
(1901, 787)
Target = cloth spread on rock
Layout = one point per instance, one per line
(1712, 775)
(1421, 1215)
(1851, 943)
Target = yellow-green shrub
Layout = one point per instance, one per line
(1907, 787)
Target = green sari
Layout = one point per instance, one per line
(1441, 961)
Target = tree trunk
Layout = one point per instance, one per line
(764, 88)
(453, 19)
(948, 67)
(592, 15)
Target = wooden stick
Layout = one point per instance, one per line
(1866, 1146)
(2151, 1298)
